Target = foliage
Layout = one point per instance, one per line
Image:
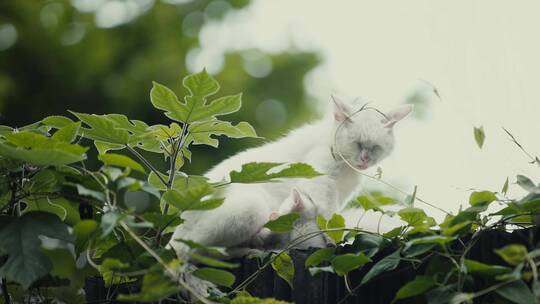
(65, 57)
(61, 220)
(440, 253)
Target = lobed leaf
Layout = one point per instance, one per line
(19, 240)
(195, 106)
(259, 172)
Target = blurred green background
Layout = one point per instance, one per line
(101, 56)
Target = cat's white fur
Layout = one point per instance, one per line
(305, 226)
(364, 139)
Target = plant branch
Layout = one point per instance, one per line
(7, 298)
(292, 244)
(176, 150)
(168, 269)
(147, 164)
(533, 159)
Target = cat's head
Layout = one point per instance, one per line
(298, 202)
(365, 137)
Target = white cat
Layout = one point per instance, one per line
(305, 227)
(365, 138)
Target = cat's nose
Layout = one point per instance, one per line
(364, 157)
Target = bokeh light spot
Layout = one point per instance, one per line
(74, 34)
(197, 59)
(192, 24)
(217, 9)
(271, 113)
(8, 36)
(257, 64)
(87, 6)
(50, 14)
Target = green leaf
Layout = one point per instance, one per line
(195, 106)
(83, 231)
(504, 189)
(516, 292)
(388, 263)
(337, 221)
(413, 250)
(512, 254)
(40, 150)
(247, 299)
(416, 287)
(62, 258)
(181, 182)
(373, 201)
(115, 131)
(482, 198)
(208, 261)
(479, 136)
(415, 217)
(367, 243)
(462, 298)
(201, 132)
(478, 268)
(431, 239)
(19, 240)
(527, 184)
(321, 222)
(119, 160)
(284, 223)
(258, 172)
(56, 121)
(156, 286)
(192, 198)
(66, 210)
(109, 269)
(319, 256)
(216, 276)
(102, 128)
(345, 263)
(67, 133)
(284, 267)
(109, 221)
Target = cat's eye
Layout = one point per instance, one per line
(376, 149)
(360, 146)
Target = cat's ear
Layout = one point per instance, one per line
(298, 203)
(341, 110)
(396, 115)
(273, 216)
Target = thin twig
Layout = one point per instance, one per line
(5, 292)
(533, 159)
(147, 164)
(170, 271)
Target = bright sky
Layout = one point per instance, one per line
(481, 55)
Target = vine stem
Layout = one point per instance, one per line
(340, 154)
(168, 269)
(175, 151)
(7, 298)
(291, 245)
(147, 164)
